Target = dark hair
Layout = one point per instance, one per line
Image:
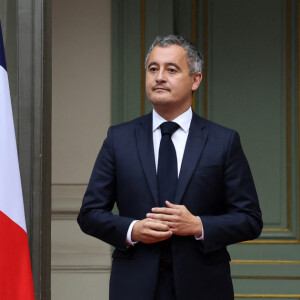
(193, 55)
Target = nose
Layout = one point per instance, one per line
(160, 76)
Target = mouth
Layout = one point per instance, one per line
(160, 88)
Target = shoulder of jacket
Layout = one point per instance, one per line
(129, 125)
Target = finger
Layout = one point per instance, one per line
(171, 205)
(160, 217)
(175, 231)
(158, 226)
(176, 207)
(162, 222)
(164, 210)
(165, 217)
(159, 235)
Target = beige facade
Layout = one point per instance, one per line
(81, 49)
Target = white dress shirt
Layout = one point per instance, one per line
(179, 138)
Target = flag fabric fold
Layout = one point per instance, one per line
(15, 267)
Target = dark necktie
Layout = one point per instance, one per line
(167, 174)
(167, 178)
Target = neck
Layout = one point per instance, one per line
(168, 114)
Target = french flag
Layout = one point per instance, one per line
(15, 267)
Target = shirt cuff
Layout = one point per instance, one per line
(128, 236)
(200, 237)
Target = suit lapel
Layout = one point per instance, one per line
(144, 139)
(193, 149)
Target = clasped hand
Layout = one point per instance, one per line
(162, 222)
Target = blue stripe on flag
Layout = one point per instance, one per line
(2, 54)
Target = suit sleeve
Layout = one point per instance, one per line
(242, 219)
(95, 217)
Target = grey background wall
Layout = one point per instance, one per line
(81, 48)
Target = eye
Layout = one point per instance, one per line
(172, 70)
(153, 69)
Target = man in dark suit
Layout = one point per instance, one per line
(183, 193)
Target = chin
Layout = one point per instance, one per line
(160, 101)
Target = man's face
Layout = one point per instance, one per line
(168, 82)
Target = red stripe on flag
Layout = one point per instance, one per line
(15, 268)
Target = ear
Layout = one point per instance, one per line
(196, 80)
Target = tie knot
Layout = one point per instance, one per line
(168, 128)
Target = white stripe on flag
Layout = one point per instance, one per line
(11, 199)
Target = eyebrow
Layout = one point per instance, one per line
(167, 64)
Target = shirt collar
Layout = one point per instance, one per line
(184, 120)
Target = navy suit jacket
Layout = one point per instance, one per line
(215, 183)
